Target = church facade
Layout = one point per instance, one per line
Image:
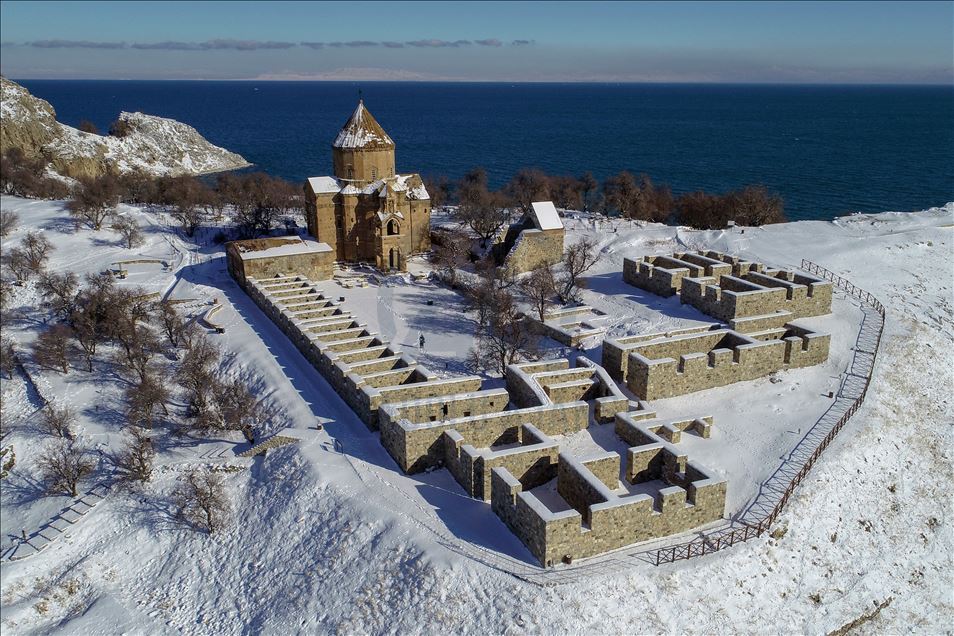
(365, 211)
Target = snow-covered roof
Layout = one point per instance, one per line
(545, 216)
(362, 131)
(272, 247)
(323, 185)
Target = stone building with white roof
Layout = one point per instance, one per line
(535, 240)
(366, 212)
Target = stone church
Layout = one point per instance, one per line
(366, 212)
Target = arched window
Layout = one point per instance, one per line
(350, 172)
(393, 228)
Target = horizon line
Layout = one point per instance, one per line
(473, 81)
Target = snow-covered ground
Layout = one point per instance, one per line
(328, 536)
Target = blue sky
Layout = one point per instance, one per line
(851, 42)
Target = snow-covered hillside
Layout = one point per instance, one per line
(154, 145)
(328, 536)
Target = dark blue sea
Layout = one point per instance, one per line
(828, 150)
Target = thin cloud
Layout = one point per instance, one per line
(438, 44)
(168, 46)
(257, 45)
(245, 45)
(75, 44)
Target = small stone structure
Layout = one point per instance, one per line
(744, 294)
(665, 365)
(268, 257)
(570, 325)
(534, 241)
(581, 506)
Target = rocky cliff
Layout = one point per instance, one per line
(154, 145)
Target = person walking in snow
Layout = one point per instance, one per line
(420, 343)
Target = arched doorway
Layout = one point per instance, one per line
(394, 258)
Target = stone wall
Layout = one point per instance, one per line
(666, 367)
(316, 264)
(598, 519)
(729, 288)
(344, 352)
(534, 248)
(570, 326)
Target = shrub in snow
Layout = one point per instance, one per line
(201, 501)
(129, 230)
(63, 465)
(134, 461)
(8, 221)
(57, 421)
(8, 358)
(51, 348)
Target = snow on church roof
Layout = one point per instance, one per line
(362, 131)
(321, 185)
(545, 216)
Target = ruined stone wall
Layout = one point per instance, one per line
(682, 365)
(416, 446)
(299, 308)
(608, 521)
(534, 248)
(533, 462)
(313, 265)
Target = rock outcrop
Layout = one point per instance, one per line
(153, 145)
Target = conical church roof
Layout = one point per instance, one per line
(362, 131)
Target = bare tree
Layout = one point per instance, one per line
(566, 193)
(451, 253)
(8, 221)
(202, 502)
(58, 420)
(94, 200)
(145, 399)
(234, 407)
(197, 374)
(527, 186)
(134, 461)
(59, 292)
(129, 230)
(63, 465)
(589, 189)
(507, 337)
(139, 346)
(481, 210)
(8, 358)
(578, 259)
(51, 348)
(440, 191)
(755, 205)
(171, 323)
(16, 261)
(36, 248)
(189, 217)
(622, 193)
(540, 288)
